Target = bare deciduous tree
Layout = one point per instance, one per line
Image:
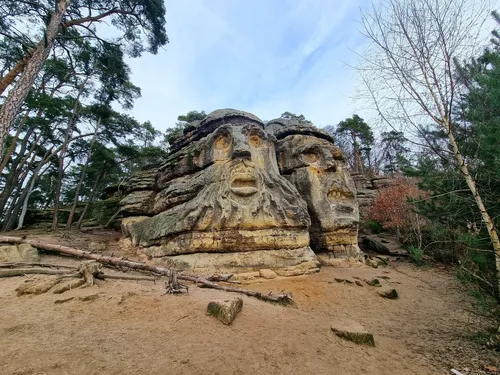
(408, 70)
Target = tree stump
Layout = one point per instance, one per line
(173, 285)
(89, 270)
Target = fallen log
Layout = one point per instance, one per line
(280, 298)
(26, 271)
(64, 273)
(23, 264)
(127, 277)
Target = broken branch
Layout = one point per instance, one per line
(26, 271)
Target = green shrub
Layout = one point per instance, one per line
(373, 226)
(416, 255)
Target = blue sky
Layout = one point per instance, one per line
(263, 56)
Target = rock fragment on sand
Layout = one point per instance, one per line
(374, 282)
(389, 293)
(267, 274)
(225, 311)
(351, 330)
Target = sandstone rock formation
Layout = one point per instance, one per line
(309, 159)
(367, 189)
(220, 191)
(221, 202)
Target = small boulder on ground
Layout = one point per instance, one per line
(225, 311)
(389, 293)
(352, 331)
(97, 246)
(267, 274)
(376, 245)
(374, 282)
(18, 253)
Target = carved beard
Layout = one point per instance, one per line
(244, 197)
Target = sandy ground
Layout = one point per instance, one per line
(132, 327)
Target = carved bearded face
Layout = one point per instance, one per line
(225, 193)
(318, 170)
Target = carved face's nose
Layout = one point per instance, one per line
(241, 147)
(331, 165)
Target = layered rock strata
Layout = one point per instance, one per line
(220, 192)
(309, 159)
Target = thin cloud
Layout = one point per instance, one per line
(266, 57)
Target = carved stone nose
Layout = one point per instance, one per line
(241, 153)
(241, 148)
(331, 166)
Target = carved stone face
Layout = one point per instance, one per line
(223, 193)
(318, 170)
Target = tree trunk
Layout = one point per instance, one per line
(14, 171)
(62, 154)
(16, 96)
(30, 190)
(5, 159)
(15, 71)
(280, 298)
(91, 199)
(18, 197)
(14, 184)
(82, 176)
(479, 201)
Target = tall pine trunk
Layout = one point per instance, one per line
(15, 71)
(91, 198)
(16, 168)
(82, 176)
(17, 95)
(31, 186)
(67, 139)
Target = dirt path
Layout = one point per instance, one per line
(132, 328)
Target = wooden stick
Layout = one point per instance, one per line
(127, 277)
(280, 298)
(22, 264)
(26, 271)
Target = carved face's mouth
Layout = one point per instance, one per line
(244, 184)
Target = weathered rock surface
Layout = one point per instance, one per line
(267, 274)
(97, 246)
(138, 203)
(389, 293)
(351, 330)
(374, 282)
(18, 253)
(309, 159)
(329, 259)
(368, 189)
(37, 286)
(225, 311)
(376, 245)
(220, 200)
(300, 260)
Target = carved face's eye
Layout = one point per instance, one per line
(254, 140)
(310, 157)
(222, 142)
(337, 154)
